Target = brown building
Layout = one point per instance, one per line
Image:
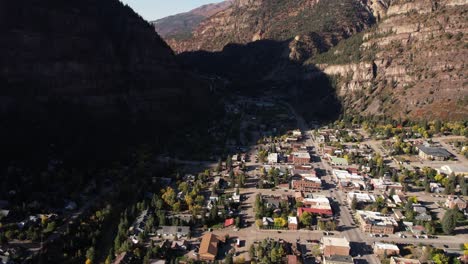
(300, 157)
(209, 247)
(335, 246)
(376, 223)
(306, 185)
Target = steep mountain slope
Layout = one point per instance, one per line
(85, 49)
(411, 65)
(88, 73)
(180, 26)
(250, 20)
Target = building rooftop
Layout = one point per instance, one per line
(436, 152)
(376, 218)
(339, 259)
(386, 246)
(292, 220)
(303, 155)
(335, 241)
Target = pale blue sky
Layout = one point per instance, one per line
(155, 9)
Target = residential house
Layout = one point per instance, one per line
(209, 247)
(455, 202)
(381, 249)
(337, 259)
(174, 231)
(335, 246)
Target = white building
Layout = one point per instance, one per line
(273, 158)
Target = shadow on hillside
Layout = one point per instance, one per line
(264, 68)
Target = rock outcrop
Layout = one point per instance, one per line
(252, 20)
(412, 65)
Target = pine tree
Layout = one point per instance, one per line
(449, 221)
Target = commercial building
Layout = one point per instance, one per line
(432, 153)
(300, 157)
(209, 247)
(335, 246)
(307, 185)
(376, 223)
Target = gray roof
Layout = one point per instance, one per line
(436, 152)
(339, 259)
(174, 230)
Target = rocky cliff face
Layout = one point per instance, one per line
(181, 26)
(251, 20)
(411, 65)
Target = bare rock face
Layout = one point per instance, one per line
(412, 64)
(251, 20)
(181, 25)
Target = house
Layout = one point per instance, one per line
(455, 169)
(179, 245)
(272, 201)
(455, 202)
(300, 157)
(423, 217)
(273, 158)
(209, 247)
(396, 260)
(336, 161)
(419, 209)
(398, 214)
(335, 246)
(433, 153)
(381, 249)
(337, 259)
(174, 231)
(292, 223)
(375, 222)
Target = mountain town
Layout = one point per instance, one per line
(243, 131)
